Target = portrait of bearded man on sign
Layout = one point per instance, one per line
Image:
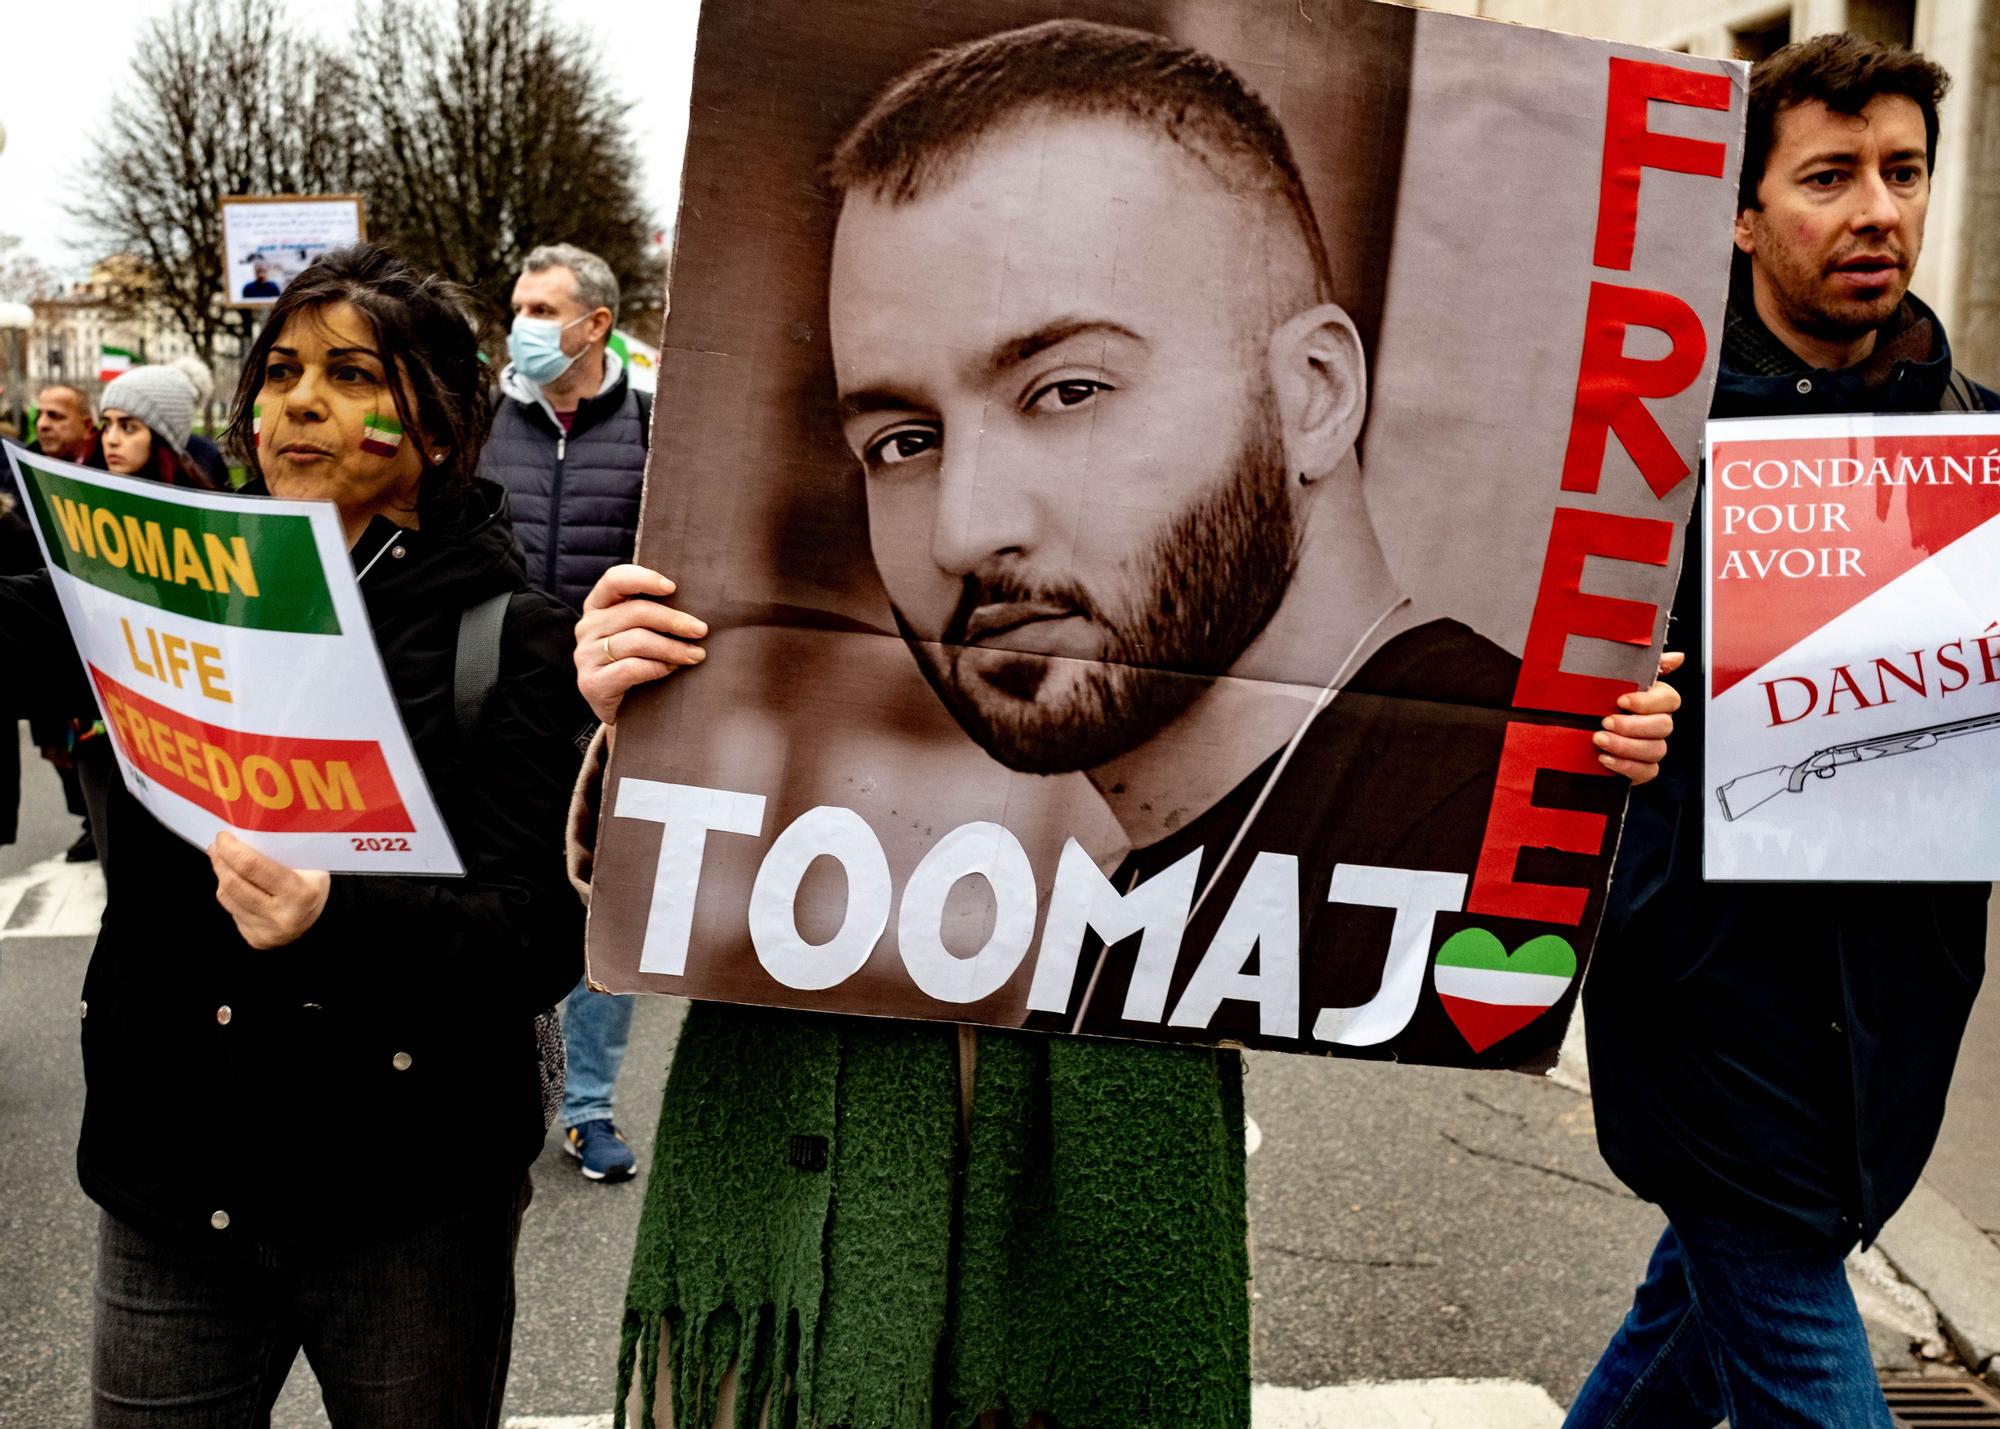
(1107, 411)
(1021, 476)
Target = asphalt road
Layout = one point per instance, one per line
(1407, 1222)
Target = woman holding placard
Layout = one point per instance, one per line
(313, 1098)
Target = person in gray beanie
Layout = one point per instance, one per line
(200, 450)
(146, 416)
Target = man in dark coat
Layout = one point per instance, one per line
(569, 444)
(18, 555)
(63, 429)
(1770, 1061)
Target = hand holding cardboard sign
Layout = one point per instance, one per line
(1634, 742)
(628, 636)
(273, 905)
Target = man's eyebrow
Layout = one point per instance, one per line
(878, 399)
(1011, 352)
(1004, 355)
(1851, 157)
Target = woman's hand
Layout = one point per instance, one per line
(273, 905)
(624, 639)
(1634, 742)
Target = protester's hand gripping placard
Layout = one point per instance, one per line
(1853, 700)
(226, 644)
(1065, 670)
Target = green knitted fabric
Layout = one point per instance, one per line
(1103, 1262)
(1083, 1257)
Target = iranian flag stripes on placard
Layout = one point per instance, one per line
(113, 362)
(1490, 993)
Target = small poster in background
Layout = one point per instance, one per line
(226, 644)
(1853, 643)
(267, 242)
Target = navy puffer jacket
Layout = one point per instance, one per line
(574, 497)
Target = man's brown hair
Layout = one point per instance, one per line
(1843, 72)
(920, 130)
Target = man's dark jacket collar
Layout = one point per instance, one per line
(1759, 376)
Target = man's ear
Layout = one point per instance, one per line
(1744, 234)
(602, 320)
(1320, 378)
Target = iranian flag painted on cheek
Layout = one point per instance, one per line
(380, 435)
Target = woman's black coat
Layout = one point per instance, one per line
(380, 1070)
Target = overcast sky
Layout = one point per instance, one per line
(58, 74)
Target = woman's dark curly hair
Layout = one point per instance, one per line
(427, 344)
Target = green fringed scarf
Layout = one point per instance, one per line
(1080, 1253)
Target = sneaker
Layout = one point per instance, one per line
(84, 850)
(601, 1150)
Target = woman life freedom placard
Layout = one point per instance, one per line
(230, 655)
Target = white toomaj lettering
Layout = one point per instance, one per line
(991, 853)
(1418, 898)
(1263, 916)
(1084, 901)
(828, 831)
(687, 814)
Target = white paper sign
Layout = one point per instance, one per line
(226, 643)
(1853, 648)
(267, 242)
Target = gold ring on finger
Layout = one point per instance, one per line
(609, 658)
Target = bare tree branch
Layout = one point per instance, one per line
(474, 129)
(495, 129)
(223, 99)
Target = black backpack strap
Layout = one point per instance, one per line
(645, 400)
(474, 673)
(476, 670)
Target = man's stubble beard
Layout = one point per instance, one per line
(1803, 296)
(1213, 579)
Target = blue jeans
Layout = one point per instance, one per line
(596, 1027)
(1746, 1323)
(413, 1331)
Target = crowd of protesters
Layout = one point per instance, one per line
(1769, 1063)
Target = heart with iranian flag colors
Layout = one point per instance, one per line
(1490, 993)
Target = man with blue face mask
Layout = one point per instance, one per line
(569, 444)
(569, 435)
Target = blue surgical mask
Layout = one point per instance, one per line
(535, 345)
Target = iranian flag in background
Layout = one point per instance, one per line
(113, 362)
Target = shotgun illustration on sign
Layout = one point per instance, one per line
(1748, 791)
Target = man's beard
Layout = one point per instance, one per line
(1805, 295)
(1211, 581)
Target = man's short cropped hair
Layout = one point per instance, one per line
(1843, 72)
(596, 286)
(922, 128)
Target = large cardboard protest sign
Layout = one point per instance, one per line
(1167, 551)
(225, 641)
(1853, 569)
